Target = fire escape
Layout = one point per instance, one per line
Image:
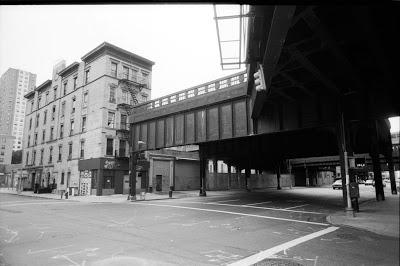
(133, 85)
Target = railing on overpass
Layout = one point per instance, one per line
(190, 93)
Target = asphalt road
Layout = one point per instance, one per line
(285, 228)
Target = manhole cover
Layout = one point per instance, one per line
(277, 262)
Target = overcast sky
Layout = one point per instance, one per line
(180, 39)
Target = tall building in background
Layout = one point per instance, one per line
(14, 84)
(76, 132)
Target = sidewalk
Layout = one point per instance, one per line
(116, 198)
(381, 217)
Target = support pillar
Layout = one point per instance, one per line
(389, 160)
(229, 176)
(151, 172)
(278, 176)
(247, 179)
(376, 164)
(238, 175)
(215, 173)
(171, 173)
(203, 165)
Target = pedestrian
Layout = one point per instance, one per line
(354, 194)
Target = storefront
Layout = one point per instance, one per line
(103, 176)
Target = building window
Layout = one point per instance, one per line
(38, 102)
(123, 122)
(75, 78)
(62, 178)
(51, 155)
(29, 140)
(37, 120)
(114, 69)
(47, 97)
(122, 148)
(43, 135)
(70, 151)
(83, 123)
(55, 93)
(112, 94)
(111, 119)
(87, 72)
(51, 133)
(126, 72)
(65, 88)
(110, 146)
(63, 109)
(33, 157)
(85, 98)
(61, 131)
(35, 139)
(72, 128)
(32, 105)
(53, 113)
(41, 156)
(125, 97)
(27, 158)
(45, 117)
(30, 123)
(82, 149)
(60, 153)
(73, 105)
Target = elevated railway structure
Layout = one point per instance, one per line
(330, 87)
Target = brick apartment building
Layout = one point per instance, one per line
(76, 128)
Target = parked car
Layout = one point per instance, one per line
(337, 184)
(360, 181)
(369, 182)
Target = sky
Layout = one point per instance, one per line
(181, 40)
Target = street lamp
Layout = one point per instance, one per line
(132, 171)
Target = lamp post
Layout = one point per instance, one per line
(134, 157)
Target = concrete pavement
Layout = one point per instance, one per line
(378, 217)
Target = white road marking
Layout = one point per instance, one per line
(294, 207)
(228, 212)
(269, 252)
(254, 207)
(40, 203)
(17, 201)
(257, 203)
(45, 250)
(225, 201)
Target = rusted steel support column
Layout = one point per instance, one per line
(376, 164)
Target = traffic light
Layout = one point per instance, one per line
(259, 80)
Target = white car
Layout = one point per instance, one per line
(369, 182)
(337, 184)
